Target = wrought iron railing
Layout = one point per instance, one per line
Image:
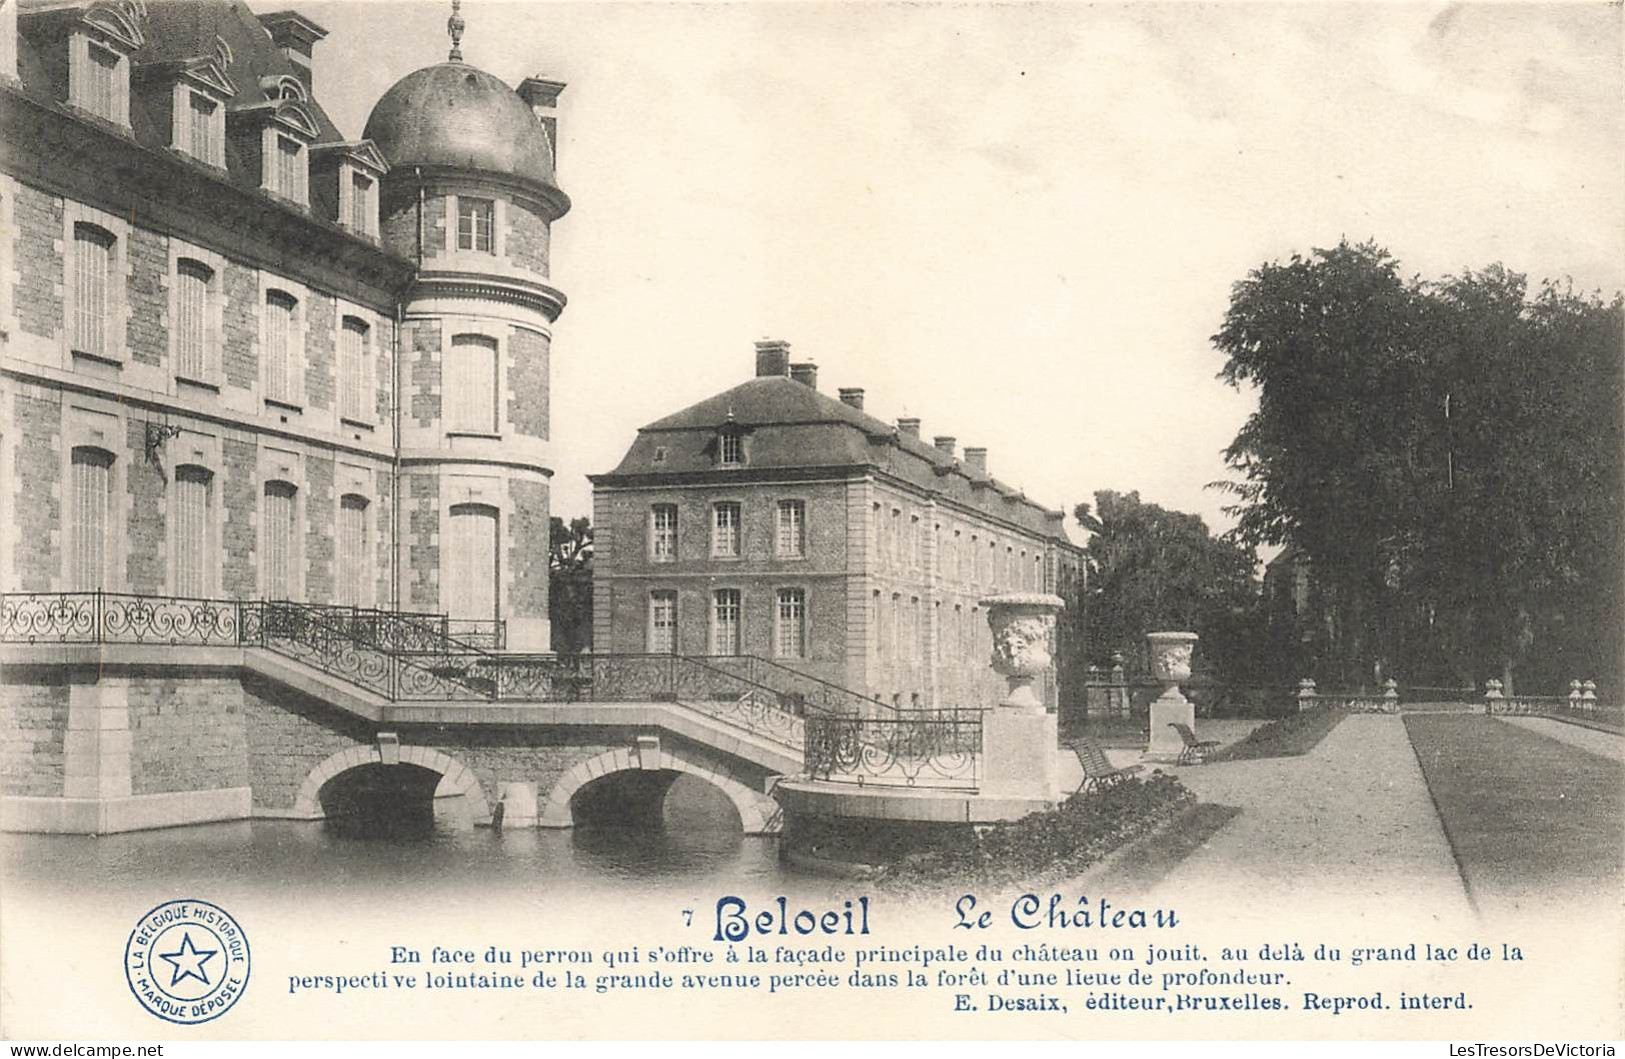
(929, 749)
(109, 617)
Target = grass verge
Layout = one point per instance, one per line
(1289, 737)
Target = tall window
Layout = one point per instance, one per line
(663, 533)
(204, 144)
(361, 203)
(281, 330)
(194, 559)
(92, 289)
(897, 635)
(353, 369)
(192, 281)
(92, 504)
(352, 550)
(281, 537)
(663, 623)
(471, 385)
(290, 168)
(725, 530)
(790, 639)
(725, 621)
(792, 536)
(730, 448)
(476, 219)
(474, 567)
(101, 96)
(915, 548)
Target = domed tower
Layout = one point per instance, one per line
(471, 196)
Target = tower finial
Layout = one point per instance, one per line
(455, 26)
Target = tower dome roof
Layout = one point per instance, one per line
(453, 114)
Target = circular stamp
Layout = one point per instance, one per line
(187, 961)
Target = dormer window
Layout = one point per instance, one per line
(100, 81)
(362, 210)
(205, 133)
(288, 169)
(730, 448)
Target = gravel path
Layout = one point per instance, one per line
(1347, 830)
(1604, 744)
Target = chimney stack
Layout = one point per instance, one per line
(976, 459)
(295, 36)
(805, 373)
(852, 395)
(944, 443)
(909, 427)
(772, 357)
(542, 97)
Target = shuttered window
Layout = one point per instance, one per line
(352, 550)
(290, 169)
(471, 385)
(192, 281)
(92, 289)
(281, 332)
(194, 558)
(205, 145)
(101, 83)
(281, 529)
(92, 495)
(353, 369)
(474, 564)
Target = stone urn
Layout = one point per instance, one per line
(1023, 625)
(1018, 735)
(1171, 666)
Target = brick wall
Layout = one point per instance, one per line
(528, 354)
(384, 490)
(528, 553)
(288, 735)
(383, 375)
(187, 733)
(434, 226)
(320, 357)
(423, 542)
(241, 326)
(240, 500)
(399, 226)
(527, 238)
(38, 257)
(319, 530)
(35, 509)
(146, 541)
(147, 334)
(33, 720)
(423, 367)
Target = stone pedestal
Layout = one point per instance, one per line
(1168, 708)
(1018, 754)
(518, 805)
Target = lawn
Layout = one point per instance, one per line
(1288, 737)
(1524, 813)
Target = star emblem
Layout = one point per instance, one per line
(188, 961)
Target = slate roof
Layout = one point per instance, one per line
(791, 427)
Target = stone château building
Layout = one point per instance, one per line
(245, 355)
(776, 521)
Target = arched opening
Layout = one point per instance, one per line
(380, 801)
(643, 821)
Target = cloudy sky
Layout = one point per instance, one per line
(1017, 222)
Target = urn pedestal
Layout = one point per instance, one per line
(1170, 665)
(1018, 735)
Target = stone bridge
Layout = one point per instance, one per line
(245, 713)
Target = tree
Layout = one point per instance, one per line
(1153, 569)
(570, 584)
(1445, 452)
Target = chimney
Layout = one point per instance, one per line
(909, 427)
(772, 357)
(805, 373)
(976, 459)
(294, 35)
(944, 443)
(852, 395)
(542, 96)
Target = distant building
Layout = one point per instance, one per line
(247, 356)
(776, 521)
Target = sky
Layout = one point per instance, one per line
(1017, 222)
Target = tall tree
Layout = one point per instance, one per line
(1150, 568)
(1445, 452)
(570, 584)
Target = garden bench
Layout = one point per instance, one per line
(1196, 750)
(1097, 771)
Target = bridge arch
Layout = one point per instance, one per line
(758, 813)
(307, 804)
